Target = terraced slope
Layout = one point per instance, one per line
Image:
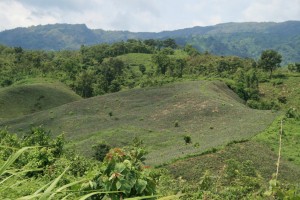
(21, 100)
(209, 112)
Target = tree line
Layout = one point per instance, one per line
(96, 70)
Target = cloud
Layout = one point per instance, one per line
(274, 10)
(144, 15)
(14, 14)
(65, 5)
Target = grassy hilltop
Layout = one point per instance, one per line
(22, 98)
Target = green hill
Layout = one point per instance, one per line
(23, 99)
(209, 112)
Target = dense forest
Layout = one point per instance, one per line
(37, 165)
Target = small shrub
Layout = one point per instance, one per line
(110, 113)
(176, 124)
(187, 139)
(142, 68)
(291, 159)
(282, 99)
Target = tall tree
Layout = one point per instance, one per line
(270, 60)
(170, 43)
(162, 62)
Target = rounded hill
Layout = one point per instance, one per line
(19, 100)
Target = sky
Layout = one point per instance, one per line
(144, 15)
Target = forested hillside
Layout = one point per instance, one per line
(240, 39)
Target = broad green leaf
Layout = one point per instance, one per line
(118, 185)
(140, 185)
(120, 167)
(126, 187)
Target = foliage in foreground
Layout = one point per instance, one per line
(62, 174)
(122, 174)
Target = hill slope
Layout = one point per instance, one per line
(207, 111)
(262, 149)
(240, 39)
(261, 156)
(20, 100)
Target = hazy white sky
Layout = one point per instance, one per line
(144, 15)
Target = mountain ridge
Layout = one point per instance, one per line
(244, 39)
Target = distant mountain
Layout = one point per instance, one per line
(242, 39)
(49, 37)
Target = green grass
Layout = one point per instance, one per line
(136, 59)
(288, 86)
(32, 96)
(29, 81)
(207, 111)
(290, 139)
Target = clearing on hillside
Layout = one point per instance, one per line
(19, 100)
(207, 111)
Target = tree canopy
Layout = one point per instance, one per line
(270, 60)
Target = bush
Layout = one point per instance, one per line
(292, 113)
(100, 150)
(263, 105)
(187, 139)
(282, 99)
(48, 151)
(123, 170)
